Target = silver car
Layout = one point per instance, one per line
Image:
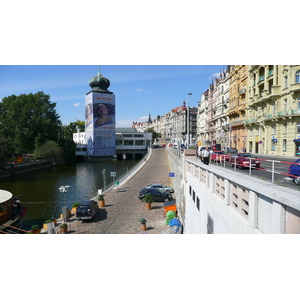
(160, 187)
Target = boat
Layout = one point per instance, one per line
(11, 213)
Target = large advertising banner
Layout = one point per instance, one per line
(100, 124)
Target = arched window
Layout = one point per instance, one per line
(298, 77)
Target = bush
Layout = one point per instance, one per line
(148, 198)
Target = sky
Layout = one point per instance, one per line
(154, 53)
(140, 90)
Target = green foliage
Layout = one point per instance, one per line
(155, 135)
(148, 198)
(49, 150)
(75, 205)
(34, 227)
(27, 121)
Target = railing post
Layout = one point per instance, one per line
(250, 166)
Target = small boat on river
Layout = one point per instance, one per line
(11, 212)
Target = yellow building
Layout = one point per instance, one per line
(237, 105)
(273, 114)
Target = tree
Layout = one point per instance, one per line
(155, 135)
(49, 150)
(30, 120)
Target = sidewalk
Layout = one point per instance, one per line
(123, 209)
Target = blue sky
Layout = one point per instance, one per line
(139, 89)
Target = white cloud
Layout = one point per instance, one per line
(139, 90)
(215, 75)
(77, 104)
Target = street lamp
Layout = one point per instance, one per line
(64, 189)
(188, 122)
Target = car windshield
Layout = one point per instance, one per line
(82, 208)
(246, 155)
(220, 152)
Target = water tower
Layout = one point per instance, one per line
(100, 118)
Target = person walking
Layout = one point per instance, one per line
(206, 156)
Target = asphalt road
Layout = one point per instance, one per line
(269, 164)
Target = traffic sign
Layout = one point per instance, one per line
(171, 174)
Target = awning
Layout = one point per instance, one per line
(297, 141)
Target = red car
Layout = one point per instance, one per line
(219, 156)
(242, 160)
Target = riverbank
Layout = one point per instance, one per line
(14, 169)
(123, 209)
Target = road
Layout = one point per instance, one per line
(268, 164)
(123, 209)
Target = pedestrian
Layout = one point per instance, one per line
(200, 153)
(206, 156)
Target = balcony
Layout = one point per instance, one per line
(295, 87)
(242, 91)
(249, 121)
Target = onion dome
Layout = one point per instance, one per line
(99, 84)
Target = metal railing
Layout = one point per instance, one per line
(253, 163)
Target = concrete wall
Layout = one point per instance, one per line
(229, 202)
(237, 203)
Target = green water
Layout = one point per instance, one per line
(41, 193)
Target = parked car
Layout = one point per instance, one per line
(160, 187)
(232, 150)
(294, 171)
(219, 156)
(156, 194)
(87, 210)
(242, 160)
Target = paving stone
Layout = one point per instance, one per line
(123, 209)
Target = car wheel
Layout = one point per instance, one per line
(143, 200)
(297, 180)
(240, 167)
(232, 165)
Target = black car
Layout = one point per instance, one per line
(156, 194)
(87, 210)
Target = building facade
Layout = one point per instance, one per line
(273, 119)
(237, 106)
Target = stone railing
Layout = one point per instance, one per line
(237, 203)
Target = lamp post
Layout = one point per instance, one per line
(64, 189)
(188, 122)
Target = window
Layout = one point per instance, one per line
(198, 204)
(284, 145)
(274, 129)
(210, 225)
(274, 143)
(298, 127)
(297, 77)
(285, 82)
(128, 143)
(285, 128)
(285, 104)
(139, 142)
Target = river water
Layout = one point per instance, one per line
(41, 193)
